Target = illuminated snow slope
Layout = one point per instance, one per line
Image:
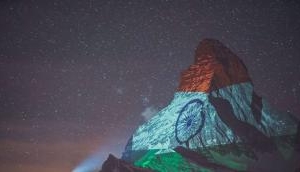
(160, 131)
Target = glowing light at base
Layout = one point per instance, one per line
(91, 163)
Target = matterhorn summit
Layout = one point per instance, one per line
(215, 122)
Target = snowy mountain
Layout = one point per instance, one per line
(216, 122)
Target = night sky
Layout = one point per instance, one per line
(78, 77)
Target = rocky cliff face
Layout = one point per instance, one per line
(215, 67)
(216, 122)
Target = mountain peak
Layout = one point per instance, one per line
(215, 122)
(210, 47)
(215, 66)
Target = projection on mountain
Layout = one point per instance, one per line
(215, 121)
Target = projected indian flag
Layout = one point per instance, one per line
(215, 105)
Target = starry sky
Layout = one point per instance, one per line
(78, 77)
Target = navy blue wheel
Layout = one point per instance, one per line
(190, 121)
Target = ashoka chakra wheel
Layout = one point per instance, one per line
(190, 121)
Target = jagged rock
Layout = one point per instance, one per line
(215, 66)
(113, 164)
(217, 114)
